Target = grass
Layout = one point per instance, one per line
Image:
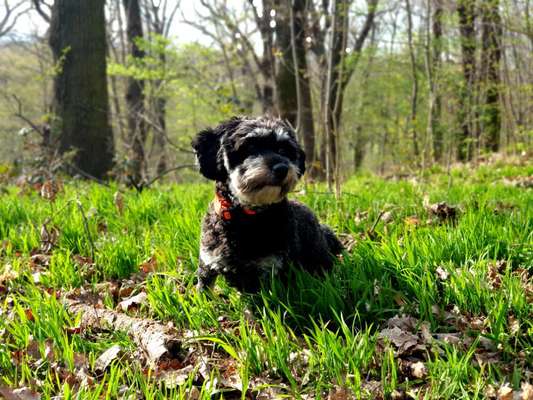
(309, 338)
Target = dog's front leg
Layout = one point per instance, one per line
(207, 275)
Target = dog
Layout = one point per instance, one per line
(251, 231)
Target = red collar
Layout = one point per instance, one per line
(225, 208)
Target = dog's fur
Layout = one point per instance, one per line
(259, 232)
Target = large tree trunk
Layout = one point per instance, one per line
(335, 77)
(286, 90)
(78, 43)
(414, 95)
(292, 81)
(466, 9)
(490, 79)
(305, 122)
(135, 96)
(434, 68)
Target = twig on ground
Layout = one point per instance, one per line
(156, 340)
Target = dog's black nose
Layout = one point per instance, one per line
(280, 171)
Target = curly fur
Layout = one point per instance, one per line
(242, 156)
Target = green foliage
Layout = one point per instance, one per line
(312, 336)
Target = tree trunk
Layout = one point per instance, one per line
(333, 102)
(466, 9)
(434, 67)
(490, 79)
(286, 91)
(78, 43)
(306, 125)
(414, 95)
(135, 96)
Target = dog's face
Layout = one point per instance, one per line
(259, 159)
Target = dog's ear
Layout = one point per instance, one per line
(207, 144)
(301, 162)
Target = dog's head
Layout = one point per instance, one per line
(259, 159)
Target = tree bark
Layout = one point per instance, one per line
(435, 104)
(286, 90)
(490, 79)
(414, 95)
(78, 43)
(466, 9)
(305, 122)
(135, 96)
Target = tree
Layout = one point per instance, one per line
(78, 43)
(491, 55)
(466, 10)
(433, 71)
(159, 18)
(135, 95)
(304, 122)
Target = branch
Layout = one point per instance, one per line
(46, 16)
(8, 21)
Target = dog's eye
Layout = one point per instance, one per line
(287, 151)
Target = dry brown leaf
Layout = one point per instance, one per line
(175, 378)
(405, 323)
(107, 358)
(119, 202)
(412, 220)
(527, 391)
(149, 265)
(49, 238)
(19, 394)
(9, 274)
(505, 392)
(133, 301)
(419, 370)
(442, 211)
(338, 393)
(442, 274)
(404, 341)
(50, 189)
(387, 217)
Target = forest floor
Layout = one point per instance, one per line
(433, 298)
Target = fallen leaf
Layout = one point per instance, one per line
(149, 265)
(338, 393)
(419, 370)
(49, 238)
(387, 217)
(527, 391)
(442, 211)
(119, 202)
(442, 274)
(505, 392)
(413, 220)
(404, 341)
(133, 301)
(405, 323)
(19, 394)
(107, 358)
(175, 378)
(9, 274)
(49, 190)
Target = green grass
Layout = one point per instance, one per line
(311, 336)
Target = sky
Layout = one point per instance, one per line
(31, 23)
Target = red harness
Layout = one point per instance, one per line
(225, 208)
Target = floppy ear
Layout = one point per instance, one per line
(207, 144)
(301, 162)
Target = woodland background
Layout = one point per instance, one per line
(394, 86)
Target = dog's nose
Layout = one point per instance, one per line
(280, 171)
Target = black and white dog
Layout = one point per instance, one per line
(251, 231)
